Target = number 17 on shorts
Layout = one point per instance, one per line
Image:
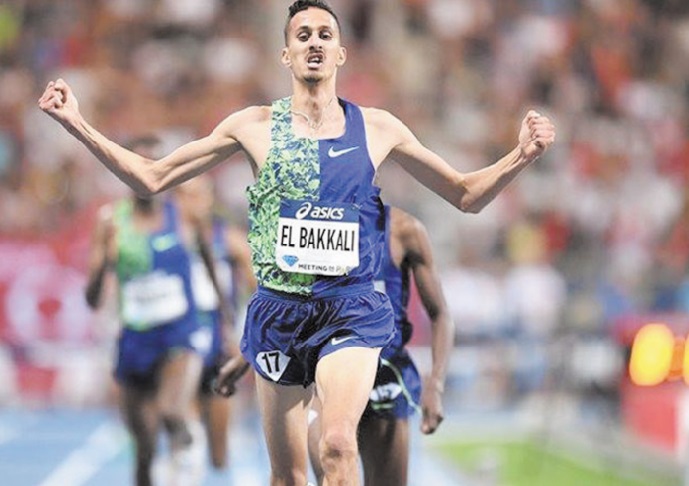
(273, 363)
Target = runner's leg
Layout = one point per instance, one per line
(344, 380)
(314, 439)
(284, 411)
(141, 417)
(179, 383)
(217, 412)
(384, 446)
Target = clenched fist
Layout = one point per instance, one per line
(59, 102)
(537, 133)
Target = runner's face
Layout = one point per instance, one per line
(313, 50)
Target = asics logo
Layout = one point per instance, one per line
(332, 153)
(319, 212)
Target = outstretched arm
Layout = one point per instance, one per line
(417, 251)
(472, 191)
(143, 175)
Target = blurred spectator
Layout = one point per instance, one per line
(474, 296)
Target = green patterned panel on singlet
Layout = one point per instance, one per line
(291, 171)
(134, 252)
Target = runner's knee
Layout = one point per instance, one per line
(337, 445)
(178, 429)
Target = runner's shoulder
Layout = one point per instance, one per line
(245, 118)
(384, 124)
(378, 116)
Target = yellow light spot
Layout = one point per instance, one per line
(685, 368)
(652, 355)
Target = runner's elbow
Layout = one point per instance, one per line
(470, 203)
(470, 206)
(463, 199)
(466, 203)
(148, 185)
(146, 190)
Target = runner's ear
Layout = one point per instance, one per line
(284, 58)
(341, 56)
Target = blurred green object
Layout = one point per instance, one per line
(526, 463)
(9, 27)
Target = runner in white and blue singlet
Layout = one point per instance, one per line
(343, 373)
(156, 304)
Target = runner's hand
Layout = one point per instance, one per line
(228, 375)
(59, 102)
(431, 407)
(537, 133)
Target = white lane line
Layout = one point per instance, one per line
(83, 463)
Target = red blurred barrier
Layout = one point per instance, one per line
(651, 413)
(44, 319)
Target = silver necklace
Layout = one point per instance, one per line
(314, 127)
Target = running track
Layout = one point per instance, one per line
(90, 448)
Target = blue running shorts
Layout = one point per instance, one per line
(285, 334)
(140, 353)
(397, 390)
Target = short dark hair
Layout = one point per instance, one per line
(301, 5)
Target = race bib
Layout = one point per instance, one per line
(318, 238)
(205, 295)
(154, 299)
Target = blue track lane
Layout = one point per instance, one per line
(90, 448)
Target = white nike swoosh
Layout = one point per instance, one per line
(339, 340)
(332, 153)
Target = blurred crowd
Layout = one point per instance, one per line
(594, 231)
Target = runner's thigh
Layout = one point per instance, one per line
(344, 379)
(284, 412)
